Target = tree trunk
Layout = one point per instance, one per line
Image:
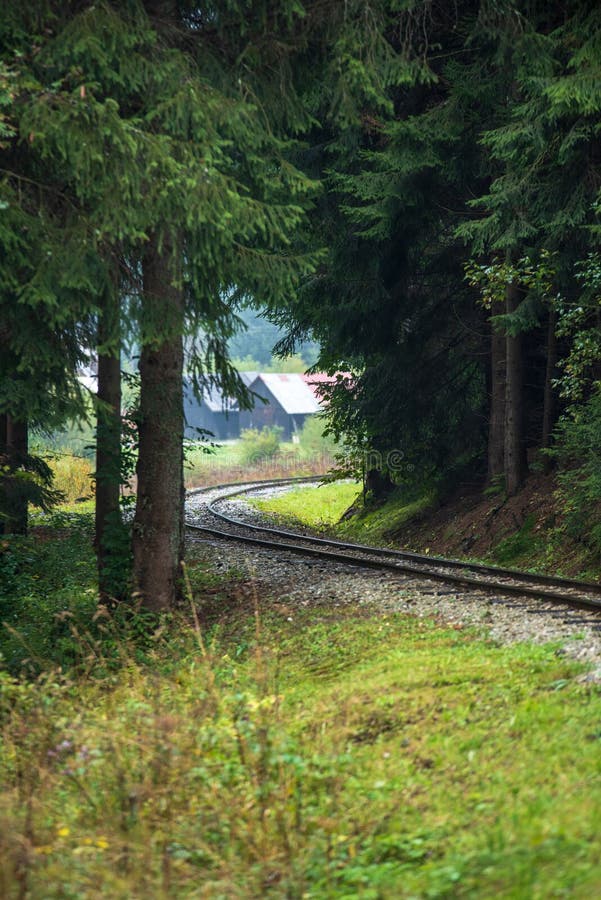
(516, 462)
(158, 523)
(3, 461)
(112, 565)
(549, 402)
(496, 429)
(17, 446)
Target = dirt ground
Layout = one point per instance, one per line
(471, 524)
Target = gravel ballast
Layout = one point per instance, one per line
(304, 582)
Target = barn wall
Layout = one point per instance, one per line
(223, 425)
(267, 415)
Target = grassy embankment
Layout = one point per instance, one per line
(322, 508)
(330, 752)
(527, 531)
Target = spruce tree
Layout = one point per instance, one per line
(141, 97)
(390, 302)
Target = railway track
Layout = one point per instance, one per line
(473, 576)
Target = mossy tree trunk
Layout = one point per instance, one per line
(158, 522)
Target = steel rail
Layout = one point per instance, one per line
(403, 562)
(555, 580)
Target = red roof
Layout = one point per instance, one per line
(318, 378)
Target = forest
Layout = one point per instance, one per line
(406, 196)
(413, 186)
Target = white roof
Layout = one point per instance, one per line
(291, 392)
(211, 396)
(90, 382)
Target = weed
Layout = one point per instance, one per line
(320, 762)
(518, 545)
(226, 463)
(47, 586)
(262, 750)
(72, 476)
(257, 446)
(325, 507)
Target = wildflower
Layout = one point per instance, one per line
(64, 747)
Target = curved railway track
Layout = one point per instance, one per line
(474, 576)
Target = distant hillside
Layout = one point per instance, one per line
(259, 339)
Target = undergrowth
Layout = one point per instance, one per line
(336, 754)
(47, 587)
(246, 747)
(72, 475)
(238, 461)
(544, 544)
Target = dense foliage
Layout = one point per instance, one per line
(413, 184)
(154, 100)
(460, 214)
(320, 751)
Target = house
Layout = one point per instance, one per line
(213, 412)
(283, 401)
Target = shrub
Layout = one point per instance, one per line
(312, 437)
(257, 446)
(578, 448)
(26, 480)
(72, 476)
(47, 587)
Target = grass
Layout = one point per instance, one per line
(204, 466)
(334, 755)
(317, 506)
(520, 546)
(279, 751)
(379, 524)
(225, 463)
(546, 549)
(323, 507)
(47, 586)
(72, 475)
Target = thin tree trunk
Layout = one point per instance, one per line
(496, 430)
(516, 462)
(158, 523)
(549, 402)
(3, 460)
(17, 446)
(112, 574)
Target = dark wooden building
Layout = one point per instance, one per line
(286, 401)
(213, 411)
